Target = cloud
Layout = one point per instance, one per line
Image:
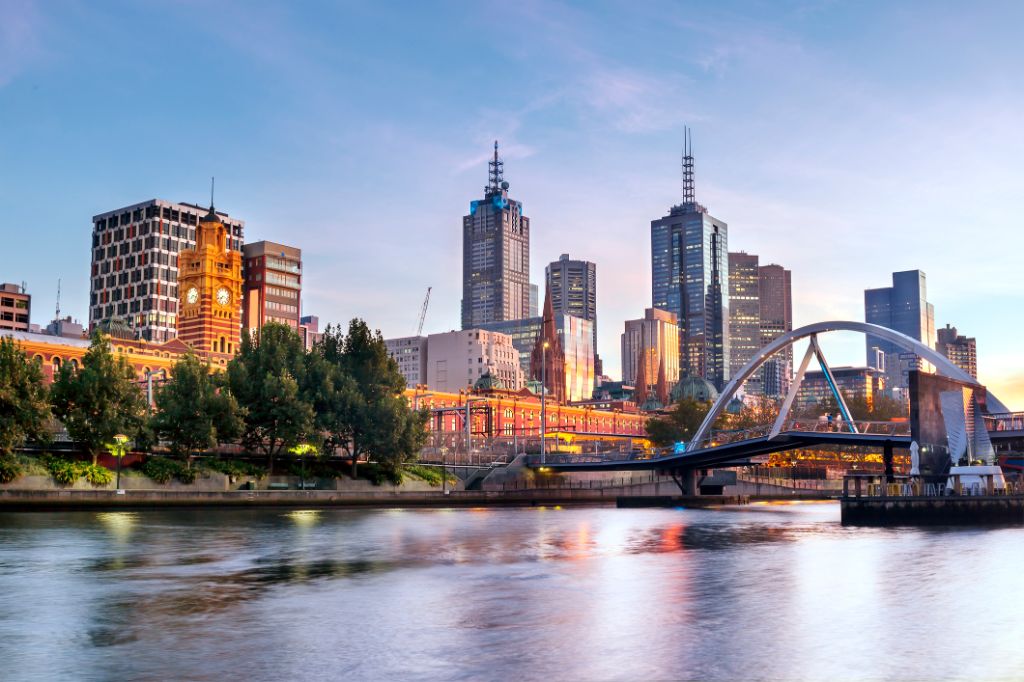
(19, 38)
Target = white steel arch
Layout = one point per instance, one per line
(942, 364)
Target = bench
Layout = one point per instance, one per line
(277, 486)
(307, 485)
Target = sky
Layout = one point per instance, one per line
(844, 141)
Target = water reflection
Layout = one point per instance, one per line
(752, 593)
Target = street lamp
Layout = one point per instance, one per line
(118, 449)
(543, 401)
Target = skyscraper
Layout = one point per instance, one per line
(650, 351)
(961, 350)
(573, 287)
(902, 307)
(775, 292)
(495, 255)
(744, 314)
(690, 278)
(135, 263)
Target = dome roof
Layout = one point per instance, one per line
(117, 328)
(488, 382)
(693, 388)
(210, 217)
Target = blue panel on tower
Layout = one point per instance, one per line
(472, 207)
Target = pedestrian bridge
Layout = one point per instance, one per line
(708, 447)
(738, 447)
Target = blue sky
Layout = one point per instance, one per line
(843, 141)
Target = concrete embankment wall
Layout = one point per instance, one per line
(898, 511)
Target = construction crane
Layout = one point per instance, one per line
(423, 312)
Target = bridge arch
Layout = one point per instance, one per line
(942, 364)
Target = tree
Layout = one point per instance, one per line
(99, 400)
(679, 424)
(264, 378)
(757, 412)
(24, 408)
(359, 396)
(194, 411)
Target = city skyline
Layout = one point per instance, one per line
(844, 185)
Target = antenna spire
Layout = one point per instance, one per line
(212, 181)
(57, 317)
(496, 169)
(689, 195)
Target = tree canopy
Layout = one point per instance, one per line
(194, 410)
(24, 405)
(265, 379)
(100, 399)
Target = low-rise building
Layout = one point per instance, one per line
(15, 307)
(862, 383)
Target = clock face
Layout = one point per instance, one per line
(192, 295)
(223, 296)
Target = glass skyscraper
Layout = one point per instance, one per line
(902, 307)
(690, 277)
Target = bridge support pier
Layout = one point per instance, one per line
(890, 473)
(686, 479)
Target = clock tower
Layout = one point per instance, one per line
(210, 293)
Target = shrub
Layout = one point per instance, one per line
(63, 471)
(431, 475)
(9, 469)
(98, 475)
(233, 467)
(378, 475)
(160, 469)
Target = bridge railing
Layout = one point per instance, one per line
(1008, 421)
(870, 485)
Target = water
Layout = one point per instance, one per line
(760, 592)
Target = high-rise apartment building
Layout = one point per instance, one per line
(961, 350)
(135, 263)
(456, 360)
(775, 292)
(573, 288)
(495, 255)
(744, 314)
(410, 352)
(903, 307)
(650, 350)
(210, 277)
(273, 285)
(534, 300)
(690, 278)
(15, 307)
(860, 383)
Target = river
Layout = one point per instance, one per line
(582, 593)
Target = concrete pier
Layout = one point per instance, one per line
(919, 511)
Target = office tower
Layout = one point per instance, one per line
(744, 315)
(456, 360)
(577, 352)
(775, 292)
(495, 255)
(650, 349)
(273, 285)
(309, 330)
(534, 300)
(410, 352)
(210, 277)
(15, 307)
(961, 350)
(573, 287)
(135, 263)
(690, 278)
(902, 307)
